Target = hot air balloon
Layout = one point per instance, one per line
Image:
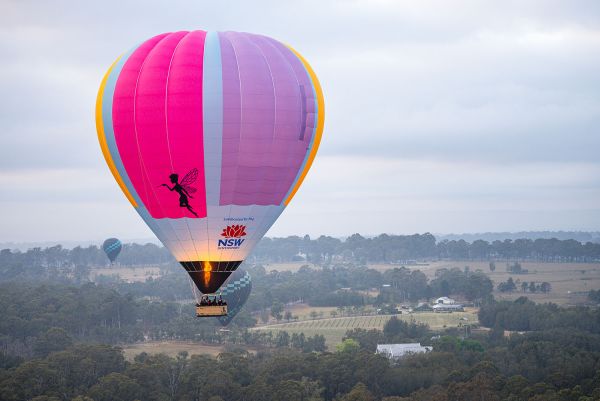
(210, 135)
(235, 292)
(112, 248)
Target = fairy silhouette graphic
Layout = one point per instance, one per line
(184, 188)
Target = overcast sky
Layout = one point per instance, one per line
(441, 116)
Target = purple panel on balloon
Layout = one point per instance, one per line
(268, 106)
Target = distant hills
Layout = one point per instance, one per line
(581, 236)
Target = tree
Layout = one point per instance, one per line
(492, 266)
(288, 315)
(115, 387)
(445, 288)
(496, 335)
(511, 284)
(368, 339)
(55, 339)
(294, 390)
(594, 295)
(264, 315)
(477, 286)
(282, 339)
(360, 392)
(298, 340)
(516, 268)
(349, 346)
(175, 369)
(277, 310)
(393, 327)
(508, 286)
(524, 286)
(532, 287)
(315, 343)
(545, 287)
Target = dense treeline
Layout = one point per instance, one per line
(405, 248)
(525, 315)
(120, 312)
(323, 250)
(450, 371)
(581, 236)
(61, 259)
(343, 286)
(335, 285)
(340, 284)
(86, 313)
(552, 365)
(37, 319)
(47, 352)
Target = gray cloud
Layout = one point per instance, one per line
(481, 94)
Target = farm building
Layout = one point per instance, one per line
(448, 308)
(445, 301)
(397, 351)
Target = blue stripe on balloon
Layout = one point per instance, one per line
(107, 106)
(212, 117)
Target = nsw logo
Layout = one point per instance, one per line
(233, 236)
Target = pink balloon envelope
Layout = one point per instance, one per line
(209, 135)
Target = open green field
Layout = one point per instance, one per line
(334, 329)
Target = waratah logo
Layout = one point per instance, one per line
(233, 236)
(234, 231)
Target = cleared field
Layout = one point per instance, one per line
(334, 329)
(570, 281)
(303, 311)
(129, 274)
(289, 266)
(171, 348)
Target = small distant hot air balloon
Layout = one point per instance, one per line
(112, 248)
(210, 135)
(235, 292)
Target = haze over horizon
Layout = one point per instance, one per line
(581, 236)
(481, 118)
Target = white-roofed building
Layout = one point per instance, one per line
(397, 351)
(448, 308)
(445, 301)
